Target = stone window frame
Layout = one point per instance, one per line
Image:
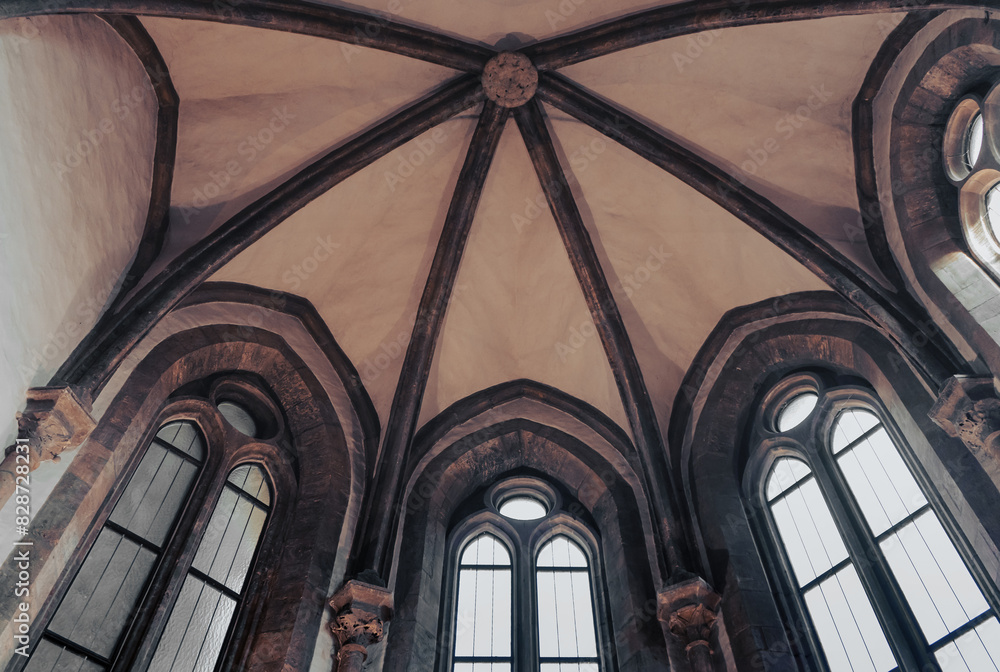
(810, 442)
(973, 183)
(225, 449)
(559, 521)
(927, 217)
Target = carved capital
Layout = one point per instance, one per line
(692, 624)
(688, 610)
(968, 408)
(361, 609)
(53, 421)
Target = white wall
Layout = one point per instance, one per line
(77, 133)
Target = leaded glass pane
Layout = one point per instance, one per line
(846, 625)
(250, 479)
(196, 630)
(101, 599)
(881, 482)
(484, 613)
(785, 473)
(565, 615)
(561, 552)
(183, 436)
(806, 528)
(974, 141)
(51, 657)
(155, 494)
(933, 577)
(975, 651)
(565, 604)
(485, 550)
(230, 540)
(850, 425)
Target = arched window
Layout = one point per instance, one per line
(854, 528)
(158, 589)
(484, 625)
(524, 595)
(566, 636)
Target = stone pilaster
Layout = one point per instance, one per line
(968, 408)
(361, 610)
(688, 610)
(54, 421)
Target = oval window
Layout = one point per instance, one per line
(239, 418)
(796, 410)
(523, 508)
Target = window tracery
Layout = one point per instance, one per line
(972, 165)
(525, 586)
(856, 530)
(161, 586)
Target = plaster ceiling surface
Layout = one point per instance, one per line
(516, 22)
(675, 261)
(247, 120)
(361, 252)
(76, 165)
(518, 310)
(772, 102)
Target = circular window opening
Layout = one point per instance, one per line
(796, 410)
(239, 418)
(993, 211)
(523, 508)
(964, 137)
(974, 141)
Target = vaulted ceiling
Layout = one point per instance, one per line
(350, 157)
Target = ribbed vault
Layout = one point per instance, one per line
(590, 237)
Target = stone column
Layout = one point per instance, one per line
(688, 610)
(361, 609)
(54, 420)
(968, 408)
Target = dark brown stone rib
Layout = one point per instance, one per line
(609, 323)
(380, 521)
(164, 153)
(695, 16)
(898, 318)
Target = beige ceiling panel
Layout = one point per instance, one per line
(772, 102)
(248, 120)
(361, 252)
(518, 310)
(490, 21)
(676, 262)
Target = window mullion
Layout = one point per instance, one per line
(902, 630)
(526, 648)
